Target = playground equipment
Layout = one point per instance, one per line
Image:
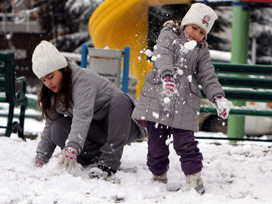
(118, 23)
(11, 95)
(244, 83)
(107, 63)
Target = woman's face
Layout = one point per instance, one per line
(194, 32)
(53, 81)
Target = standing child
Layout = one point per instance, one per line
(170, 98)
(86, 115)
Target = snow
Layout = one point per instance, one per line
(75, 6)
(190, 78)
(190, 45)
(166, 100)
(148, 53)
(154, 58)
(155, 115)
(180, 72)
(232, 174)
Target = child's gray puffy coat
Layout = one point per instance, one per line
(190, 68)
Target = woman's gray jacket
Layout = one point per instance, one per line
(190, 67)
(91, 94)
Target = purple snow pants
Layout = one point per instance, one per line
(184, 145)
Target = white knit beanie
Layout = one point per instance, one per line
(200, 15)
(47, 59)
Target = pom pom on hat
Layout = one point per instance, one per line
(200, 15)
(47, 59)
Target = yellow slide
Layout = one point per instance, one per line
(120, 23)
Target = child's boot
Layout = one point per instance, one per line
(160, 178)
(195, 181)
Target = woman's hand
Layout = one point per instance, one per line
(40, 160)
(69, 158)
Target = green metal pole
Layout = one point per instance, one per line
(239, 54)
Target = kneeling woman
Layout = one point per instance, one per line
(86, 115)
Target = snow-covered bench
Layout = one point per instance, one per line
(243, 82)
(12, 92)
(243, 85)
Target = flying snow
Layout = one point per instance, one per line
(190, 45)
(149, 53)
(155, 115)
(166, 100)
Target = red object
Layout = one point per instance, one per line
(39, 162)
(70, 154)
(257, 1)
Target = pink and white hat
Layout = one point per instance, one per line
(200, 15)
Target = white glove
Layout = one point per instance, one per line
(169, 85)
(223, 106)
(69, 158)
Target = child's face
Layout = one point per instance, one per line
(53, 81)
(194, 32)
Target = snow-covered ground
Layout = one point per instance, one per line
(232, 174)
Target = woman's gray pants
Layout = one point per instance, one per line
(106, 137)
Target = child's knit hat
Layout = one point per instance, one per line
(200, 15)
(47, 59)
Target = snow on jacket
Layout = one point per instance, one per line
(190, 65)
(92, 93)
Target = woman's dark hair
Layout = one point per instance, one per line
(46, 96)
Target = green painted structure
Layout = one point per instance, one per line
(239, 54)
